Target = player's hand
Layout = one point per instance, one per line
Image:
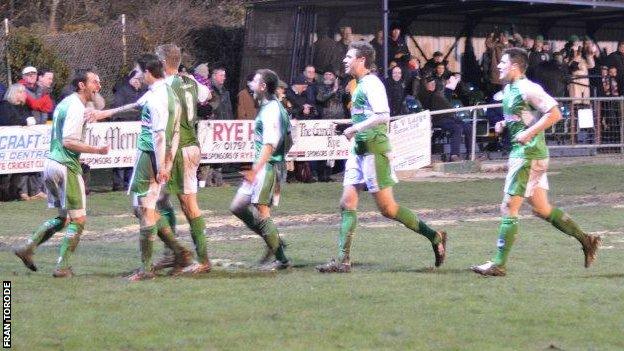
(499, 127)
(524, 137)
(349, 132)
(92, 115)
(103, 150)
(341, 127)
(250, 175)
(162, 177)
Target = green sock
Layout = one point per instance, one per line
(271, 237)
(146, 244)
(69, 243)
(411, 221)
(45, 231)
(563, 222)
(165, 233)
(347, 231)
(506, 237)
(169, 214)
(198, 227)
(249, 217)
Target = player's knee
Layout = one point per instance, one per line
(504, 208)
(541, 212)
(388, 211)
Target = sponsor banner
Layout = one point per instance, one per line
(24, 149)
(410, 137)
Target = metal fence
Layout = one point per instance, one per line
(590, 126)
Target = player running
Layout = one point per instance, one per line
(368, 166)
(261, 185)
(523, 102)
(63, 175)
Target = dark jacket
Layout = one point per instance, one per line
(123, 94)
(297, 101)
(330, 102)
(552, 76)
(396, 94)
(221, 103)
(13, 115)
(398, 47)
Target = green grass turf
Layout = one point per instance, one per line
(392, 300)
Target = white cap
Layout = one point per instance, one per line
(29, 69)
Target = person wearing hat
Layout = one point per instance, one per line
(302, 108)
(38, 99)
(431, 64)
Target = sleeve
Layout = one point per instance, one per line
(202, 92)
(535, 95)
(377, 97)
(271, 132)
(43, 104)
(74, 121)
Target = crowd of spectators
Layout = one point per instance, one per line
(321, 90)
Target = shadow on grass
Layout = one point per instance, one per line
(607, 276)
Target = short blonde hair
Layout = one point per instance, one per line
(12, 91)
(170, 54)
(202, 70)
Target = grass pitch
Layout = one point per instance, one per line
(392, 300)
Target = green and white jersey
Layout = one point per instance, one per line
(369, 98)
(271, 125)
(67, 123)
(524, 102)
(158, 114)
(189, 92)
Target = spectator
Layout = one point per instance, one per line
(434, 100)
(330, 96)
(202, 76)
(581, 60)
(495, 44)
(414, 77)
(326, 52)
(441, 75)
(527, 43)
(397, 48)
(301, 110)
(616, 58)
(430, 66)
(538, 54)
(378, 44)
(346, 36)
(127, 90)
(13, 109)
(551, 75)
(611, 82)
(309, 74)
(3, 89)
(246, 108)
(38, 97)
(296, 94)
(395, 89)
(221, 105)
(221, 102)
(14, 112)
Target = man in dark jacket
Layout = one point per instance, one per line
(127, 90)
(434, 100)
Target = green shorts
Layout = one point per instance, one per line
(371, 169)
(523, 176)
(266, 188)
(143, 185)
(65, 189)
(184, 171)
